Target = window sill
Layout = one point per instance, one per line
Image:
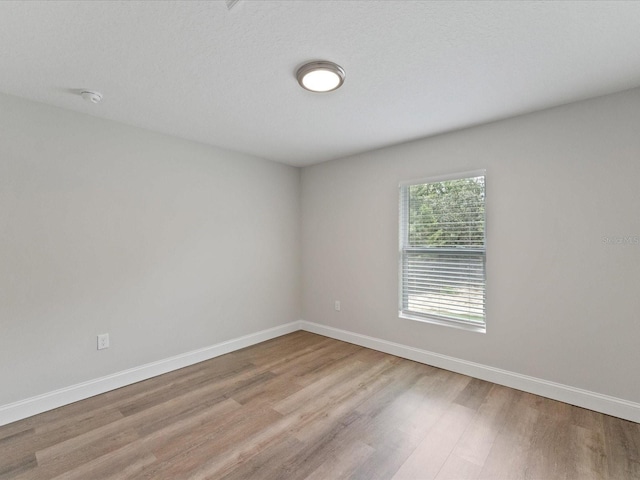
(445, 323)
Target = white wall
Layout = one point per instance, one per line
(167, 245)
(561, 304)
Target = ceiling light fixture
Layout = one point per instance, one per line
(91, 97)
(320, 76)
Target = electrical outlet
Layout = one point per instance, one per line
(103, 341)
(337, 305)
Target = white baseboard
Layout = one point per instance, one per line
(616, 407)
(48, 401)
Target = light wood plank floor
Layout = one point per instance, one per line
(304, 406)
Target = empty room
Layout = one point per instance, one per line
(321, 239)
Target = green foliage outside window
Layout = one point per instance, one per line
(447, 214)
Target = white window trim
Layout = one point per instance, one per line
(444, 178)
(433, 319)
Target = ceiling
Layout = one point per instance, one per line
(224, 77)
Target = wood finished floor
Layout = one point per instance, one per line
(304, 406)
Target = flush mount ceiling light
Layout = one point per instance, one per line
(320, 76)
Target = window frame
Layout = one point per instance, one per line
(403, 246)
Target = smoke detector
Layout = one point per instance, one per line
(91, 97)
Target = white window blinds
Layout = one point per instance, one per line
(442, 250)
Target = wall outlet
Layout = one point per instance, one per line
(337, 305)
(103, 341)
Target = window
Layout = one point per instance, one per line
(442, 250)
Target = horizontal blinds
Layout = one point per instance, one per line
(449, 213)
(444, 285)
(443, 250)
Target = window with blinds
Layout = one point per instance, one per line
(442, 250)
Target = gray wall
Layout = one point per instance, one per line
(165, 244)
(562, 304)
(170, 245)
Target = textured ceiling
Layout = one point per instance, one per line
(224, 77)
